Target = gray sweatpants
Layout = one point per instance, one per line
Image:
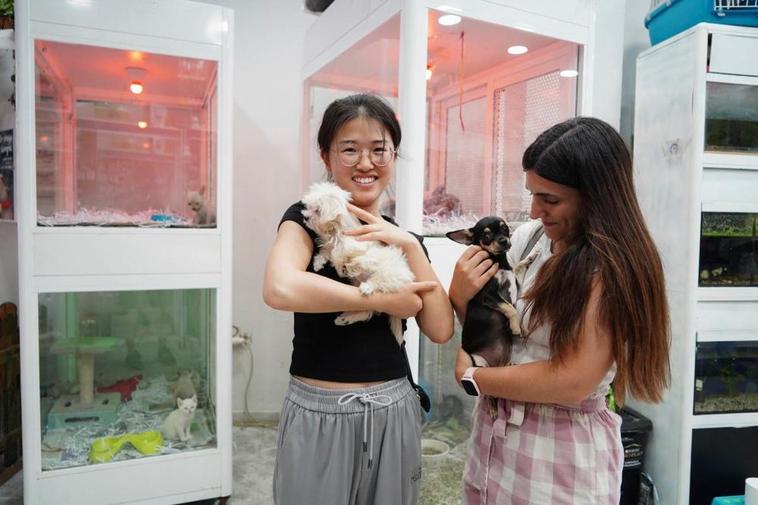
(349, 447)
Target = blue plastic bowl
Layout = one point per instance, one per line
(675, 16)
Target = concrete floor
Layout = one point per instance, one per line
(253, 466)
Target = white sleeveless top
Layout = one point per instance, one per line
(537, 346)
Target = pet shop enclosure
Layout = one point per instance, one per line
(696, 170)
(123, 121)
(473, 83)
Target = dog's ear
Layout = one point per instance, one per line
(464, 236)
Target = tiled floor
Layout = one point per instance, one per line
(254, 453)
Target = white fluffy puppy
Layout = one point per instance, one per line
(370, 265)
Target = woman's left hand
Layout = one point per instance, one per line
(380, 230)
(462, 363)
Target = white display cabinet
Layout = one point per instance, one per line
(123, 201)
(470, 96)
(696, 171)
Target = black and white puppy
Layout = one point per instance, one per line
(492, 322)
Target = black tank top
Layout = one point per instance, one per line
(360, 352)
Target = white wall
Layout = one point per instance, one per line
(268, 53)
(635, 41)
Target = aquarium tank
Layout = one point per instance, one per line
(731, 118)
(728, 249)
(726, 377)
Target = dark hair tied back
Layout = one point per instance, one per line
(346, 109)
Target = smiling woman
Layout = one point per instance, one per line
(557, 206)
(580, 331)
(350, 382)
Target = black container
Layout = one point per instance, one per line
(635, 429)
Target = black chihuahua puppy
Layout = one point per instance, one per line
(492, 322)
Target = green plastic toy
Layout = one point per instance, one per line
(105, 448)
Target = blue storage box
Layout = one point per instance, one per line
(669, 17)
(729, 500)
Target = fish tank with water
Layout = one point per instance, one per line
(726, 377)
(124, 138)
(731, 118)
(728, 249)
(125, 375)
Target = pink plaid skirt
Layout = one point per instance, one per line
(544, 454)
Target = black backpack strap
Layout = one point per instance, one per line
(423, 398)
(536, 235)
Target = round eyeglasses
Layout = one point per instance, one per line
(379, 156)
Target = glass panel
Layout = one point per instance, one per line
(731, 118)
(447, 428)
(726, 377)
(369, 66)
(728, 249)
(126, 374)
(124, 138)
(491, 90)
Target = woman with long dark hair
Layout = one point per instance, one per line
(594, 312)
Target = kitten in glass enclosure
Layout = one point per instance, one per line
(201, 207)
(492, 322)
(370, 265)
(178, 422)
(185, 385)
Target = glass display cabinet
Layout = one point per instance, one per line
(726, 377)
(123, 137)
(124, 221)
(696, 173)
(728, 249)
(473, 83)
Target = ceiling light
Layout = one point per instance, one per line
(517, 50)
(142, 124)
(449, 20)
(568, 73)
(136, 87)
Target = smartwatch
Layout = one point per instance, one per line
(468, 382)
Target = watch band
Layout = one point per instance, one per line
(468, 382)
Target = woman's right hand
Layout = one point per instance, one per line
(407, 301)
(472, 271)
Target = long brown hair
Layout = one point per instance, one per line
(613, 245)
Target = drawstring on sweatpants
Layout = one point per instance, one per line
(368, 400)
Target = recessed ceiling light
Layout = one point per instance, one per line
(449, 20)
(517, 50)
(568, 73)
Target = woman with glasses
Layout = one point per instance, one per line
(350, 427)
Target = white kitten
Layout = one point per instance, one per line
(177, 424)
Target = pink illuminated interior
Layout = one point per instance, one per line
(484, 107)
(107, 155)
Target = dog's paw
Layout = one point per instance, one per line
(318, 262)
(347, 318)
(366, 288)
